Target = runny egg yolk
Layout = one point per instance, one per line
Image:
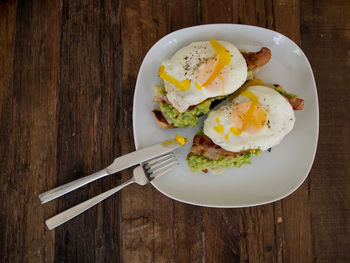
(247, 116)
(212, 74)
(181, 85)
(180, 140)
(219, 128)
(205, 70)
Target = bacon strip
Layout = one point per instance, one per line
(161, 99)
(161, 121)
(297, 104)
(203, 145)
(257, 59)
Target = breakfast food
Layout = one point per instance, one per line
(179, 139)
(199, 75)
(254, 119)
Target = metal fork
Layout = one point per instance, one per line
(142, 175)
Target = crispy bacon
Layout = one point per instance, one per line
(297, 104)
(257, 59)
(161, 121)
(161, 99)
(203, 145)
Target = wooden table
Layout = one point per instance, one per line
(67, 78)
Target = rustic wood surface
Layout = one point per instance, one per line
(67, 76)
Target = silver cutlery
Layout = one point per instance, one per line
(142, 175)
(118, 164)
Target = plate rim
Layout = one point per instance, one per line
(316, 104)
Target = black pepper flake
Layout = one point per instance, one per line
(268, 124)
(186, 58)
(269, 150)
(276, 85)
(291, 119)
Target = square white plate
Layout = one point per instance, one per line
(271, 176)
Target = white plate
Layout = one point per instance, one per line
(271, 176)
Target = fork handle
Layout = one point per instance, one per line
(72, 212)
(66, 188)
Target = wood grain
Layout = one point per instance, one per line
(221, 226)
(146, 214)
(28, 127)
(269, 230)
(87, 120)
(295, 210)
(326, 40)
(67, 76)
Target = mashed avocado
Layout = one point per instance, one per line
(251, 73)
(160, 90)
(281, 90)
(199, 163)
(189, 117)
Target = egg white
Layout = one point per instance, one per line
(280, 120)
(183, 65)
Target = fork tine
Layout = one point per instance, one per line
(161, 166)
(156, 159)
(159, 162)
(163, 171)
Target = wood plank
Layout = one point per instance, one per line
(269, 231)
(88, 118)
(7, 35)
(216, 12)
(294, 211)
(188, 227)
(146, 214)
(325, 40)
(68, 72)
(161, 229)
(256, 12)
(257, 224)
(189, 239)
(183, 14)
(258, 234)
(221, 235)
(221, 226)
(28, 127)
